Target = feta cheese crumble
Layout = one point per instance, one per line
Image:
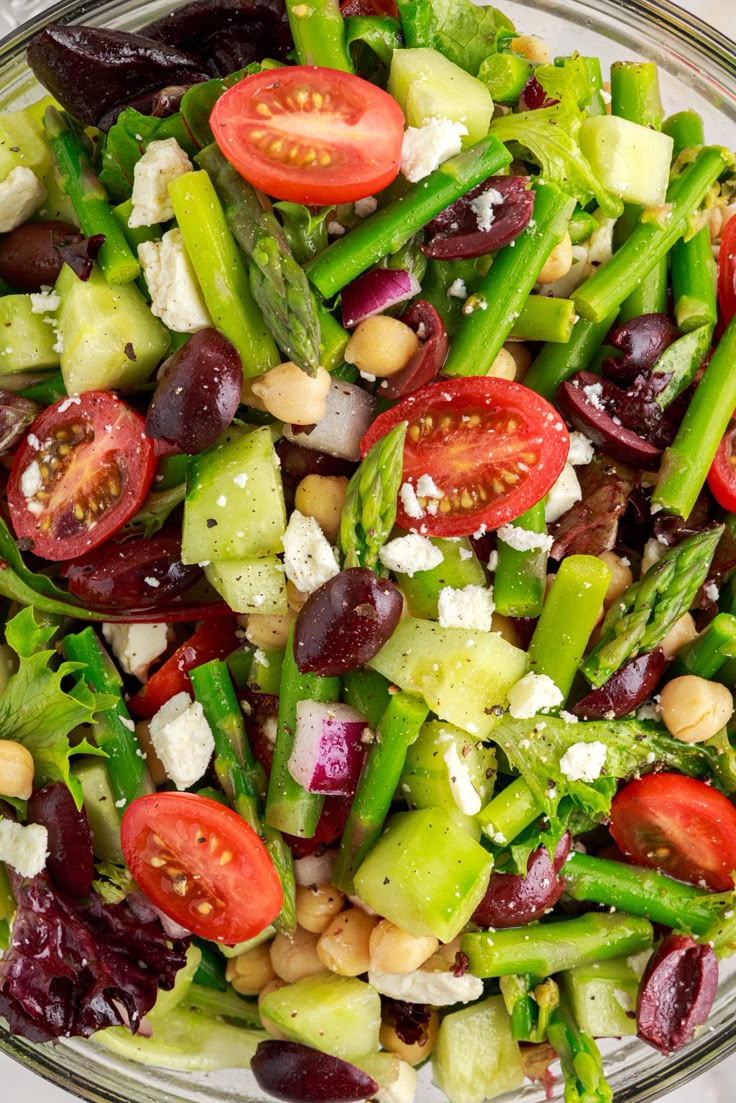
(563, 495)
(24, 846)
(581, 451)
(422, 986)
(410, 554)
(163, 162)
(45, 301)
(410, 502)
(21, 194)
(482, 207)
(175, 293)
(428, 146)
(457, 289)
(365, 207)
(584, 761)
(135, 646)
(471, 607)
(427, 488)
(523, 540)
(464, 793)
(531, 694)
(182, 739)
(309, 559)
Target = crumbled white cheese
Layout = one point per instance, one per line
(564, 494)
(711, 591)
(464, 793)
(492, 560)
(427, 488)
(162, 163)
(175, 293)
(439, 989)
(457, 289)
(401, 1090)
(600, 242)
(581, 451)
(410, 554)
(335, 229)
(31, 480)
(426, 147)
(579, 270)
(410, 502)
(522, 540)
(584, 761)
(21, 194)
(593, 392)
(471, 607)
(44, 301)
(24, 846)
(364, 207)
(309, 559)
(482, 207)
(182, 739)
(531, 694)
(136, 646)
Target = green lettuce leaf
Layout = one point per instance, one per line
(371, 40)
(128, 140)
(459, 29)
(569, 83)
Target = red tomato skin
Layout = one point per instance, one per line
(361, 135)
(727, 272)
(247, 883)
(722, 474)
(130, 456)
(679, 825)
(435, 457)
(214, 639)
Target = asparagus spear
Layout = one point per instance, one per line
(89, 199)
(544, 318)
(114, 729)
(370, 503)
(237, 771)
(521, 576)
(318, 31)
(510, 811)
(556, 363)
(607, 288)
(530, 1005)
(580, 1058)
(47, 391)
(278, 283)
(392, 226)
(646, 611)
(367, 692)
(681, 362)
(398, 728)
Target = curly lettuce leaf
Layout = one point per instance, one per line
(459, 29)
(569, 83)
(129, 139)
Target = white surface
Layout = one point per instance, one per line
(716, 1086)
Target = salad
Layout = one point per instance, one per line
(367, 551)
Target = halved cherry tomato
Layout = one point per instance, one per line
(727, 272)
(83, 470)
(494, 448)
(214, 639)
(722, 474)
(201, 864)
(310, 135)
(679, 825)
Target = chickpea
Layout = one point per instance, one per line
(558, 263)
(248, 398)
(322, 497)
(395, 951)
(317, 905)
(295, 958)
(681, 632)
(269, 1026)
(289, 394)
(621, 576)
(415, 1052)
(295, 598)
(16, 770)
(268, 630)
(694, 709)
(522, 357)
(251, 971)
(532, 47)
(448, 950)
(504, 366)
(381, 346)
(506, 629)
(344, 945)
(153, 762)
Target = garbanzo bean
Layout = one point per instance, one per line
(416, 1052)
(251, 971)
(322, 497)
(381, 346)
(681, 632)
(317, 905)
(296, 957)
(694, 709)
(558, 263)
(621, 576)
(289, 394)
(268, 630)
(532, 47)
(344, 945)
(393, 950)
(16, 770)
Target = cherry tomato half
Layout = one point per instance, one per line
(493, 447)
(727, 272)
(679, 825)
(83, 470)
(722, 474)
(310, 135)
(214, 639)
(201, 864)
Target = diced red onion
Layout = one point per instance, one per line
(315, 869)
(350, 412)
(328, 749)
(146, 912)
(376, 291)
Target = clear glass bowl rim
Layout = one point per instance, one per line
(697, 38)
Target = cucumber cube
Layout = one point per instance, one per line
(461, 674)
(26, 340)
(23, 144)
(427, 85)
(460, 567)
(603, 997)
(234, 508)
(338, 1015)
(425, 874)
(475, 1057)
(250, 585)
(630, 160)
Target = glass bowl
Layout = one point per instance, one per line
(698, 70)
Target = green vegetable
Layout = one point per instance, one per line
(602, 997)
(545, 318)
(339, 1015)
(187, 1041)
(645, 612)
(475, 1056)
(521, 576)
(369, 511)
(510, 811)
(556, 363)
(319, 34)
(505, 76)
(681, 362)
(460, 567)
(582, 1065)
(250, 585)
(127, 141)
(426, 84)
(377, 35)
(305, 228)
(464, 33)
(530, 1005)
(49, 390)
(28, 342)
(155, 511)
(99, 804)
(706, 655)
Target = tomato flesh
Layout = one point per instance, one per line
(493, 447)
(83, 470)
(722, 474)
(202, 865)
(310, 135)
(214, 639)
(679, 825)
(727, 272)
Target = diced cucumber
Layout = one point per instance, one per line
(234, 507)
(475, 1057)
(447, 769)
(265, 671)
(250, 943)
(461, 674)
(505, 76)
(338, 1015)
(427, 85)
(167, 1001)
(187, 1041)
(603, 997)
(250, 585)
(630, 160)
(26, 340)
(425, 874)
(23, 144)
(109, 336)
(460, 567)
(99, 804)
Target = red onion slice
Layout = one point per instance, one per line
(376, 291)
(328, 750)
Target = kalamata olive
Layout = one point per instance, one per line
(197, 394)
(455, 232)
(261, 712)
(642, 341)
(16, 414)
(624, 691)
(298, 462)
(29, 257)
(300, 1074)
(426, 362)
(676, 992)
(581, 401)
(344, 623)
(132, 574)
(512, 899)
(71, 861)
(80, 253)
(533, 96)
